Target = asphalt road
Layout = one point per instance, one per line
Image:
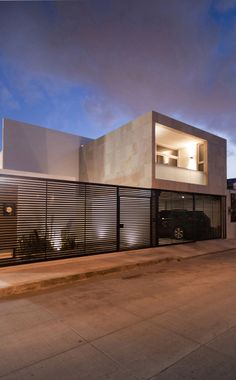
(166, 322)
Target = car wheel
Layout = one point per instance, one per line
(178, 233)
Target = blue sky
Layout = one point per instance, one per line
(88, 66)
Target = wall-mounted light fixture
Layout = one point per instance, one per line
(9, 209)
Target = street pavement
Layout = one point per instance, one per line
(169, 321)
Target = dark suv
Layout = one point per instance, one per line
(184, 224)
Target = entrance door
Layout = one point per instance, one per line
(135, 229)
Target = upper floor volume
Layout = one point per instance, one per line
(152, 151)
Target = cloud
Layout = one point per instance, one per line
(102, 112)
(225, 5)
(171, 56)
(7, 99)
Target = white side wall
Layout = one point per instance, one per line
(30, 148)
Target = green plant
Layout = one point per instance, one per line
(68, 240)
(33, 243)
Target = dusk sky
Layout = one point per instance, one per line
(89, 66)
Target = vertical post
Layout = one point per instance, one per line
(223, 217)
(46, 218)
(157, 195)
(117, 219)
(194, 234)
(85, 216)
(151, 218)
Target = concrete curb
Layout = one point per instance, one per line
(75, 277)
(207, 253)
(63, 280)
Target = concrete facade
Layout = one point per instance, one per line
(33, 149)
(126, 156)
(153, 152)
(122, 157)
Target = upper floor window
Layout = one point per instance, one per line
(201, 157)
(180, 156)
(179, 149)
(167, 156)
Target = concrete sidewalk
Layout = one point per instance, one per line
(28, 277)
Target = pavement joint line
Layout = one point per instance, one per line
(119, 364)
(218, 336)
(42, 284)
(205, 345)
(41, 360)
(174, 331)
(177, 361)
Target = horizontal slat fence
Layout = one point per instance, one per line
(43, 219)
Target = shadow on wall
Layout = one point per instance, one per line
(92, 162)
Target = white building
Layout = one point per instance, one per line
(152, 181)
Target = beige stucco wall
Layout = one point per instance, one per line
(216, 160)
(33, 149)
(122, 157)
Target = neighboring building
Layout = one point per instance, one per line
(152, 181)
(231, 208)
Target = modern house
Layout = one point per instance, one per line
(151, 182)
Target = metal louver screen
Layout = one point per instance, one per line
(135, 218)
(22, 234)
(101, 218)
(154, 216)
(65, 219)
(8, 224)
(44, 219)
(134, 192)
